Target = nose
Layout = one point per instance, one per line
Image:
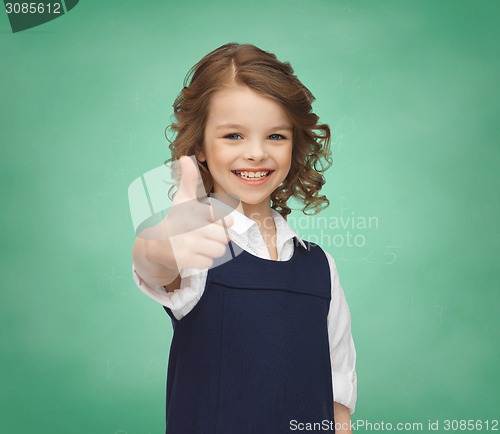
(255, 151)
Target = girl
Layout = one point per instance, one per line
(262, 332)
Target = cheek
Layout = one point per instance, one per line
(287, 156)
(218, 156)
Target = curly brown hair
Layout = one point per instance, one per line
(248, 65)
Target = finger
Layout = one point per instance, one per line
(228, 220)
(204, 248)
(216, 232)
(225, 236)
(223, 204)
(201, 262)
(226, 223)
(190, 180)
(221, 211)
(211, 248)
(188, 216)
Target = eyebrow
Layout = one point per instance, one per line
(279, 127)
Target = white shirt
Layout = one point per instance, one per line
(246, 234)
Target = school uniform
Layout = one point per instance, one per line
(258, 344)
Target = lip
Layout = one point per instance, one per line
(253, 169)
(248, 182)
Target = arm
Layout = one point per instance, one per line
(342, 419)
(342, 349)
(180, 296)
(191, 231)
(176, 284)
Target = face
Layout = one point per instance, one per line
(248, 147)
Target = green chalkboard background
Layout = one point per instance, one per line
(410, 90)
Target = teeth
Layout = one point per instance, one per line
(251, 175)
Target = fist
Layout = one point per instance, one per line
(195, 230)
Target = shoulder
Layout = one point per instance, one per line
(318, 262)
(317, 250)
(327, 258)
(331, 262)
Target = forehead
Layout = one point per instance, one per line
(240, 104)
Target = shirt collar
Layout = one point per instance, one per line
(241, 223)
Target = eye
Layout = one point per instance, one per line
(232, 136)
(279, 137)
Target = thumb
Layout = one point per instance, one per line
(190, 179)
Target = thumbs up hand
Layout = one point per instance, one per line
(197, 235)
(192, 234)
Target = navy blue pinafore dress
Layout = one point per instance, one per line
(253, 355)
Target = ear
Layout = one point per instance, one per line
(201, 156)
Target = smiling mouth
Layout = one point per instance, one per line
(252, 176)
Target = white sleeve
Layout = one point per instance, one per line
(342, 350)
(181, 300)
